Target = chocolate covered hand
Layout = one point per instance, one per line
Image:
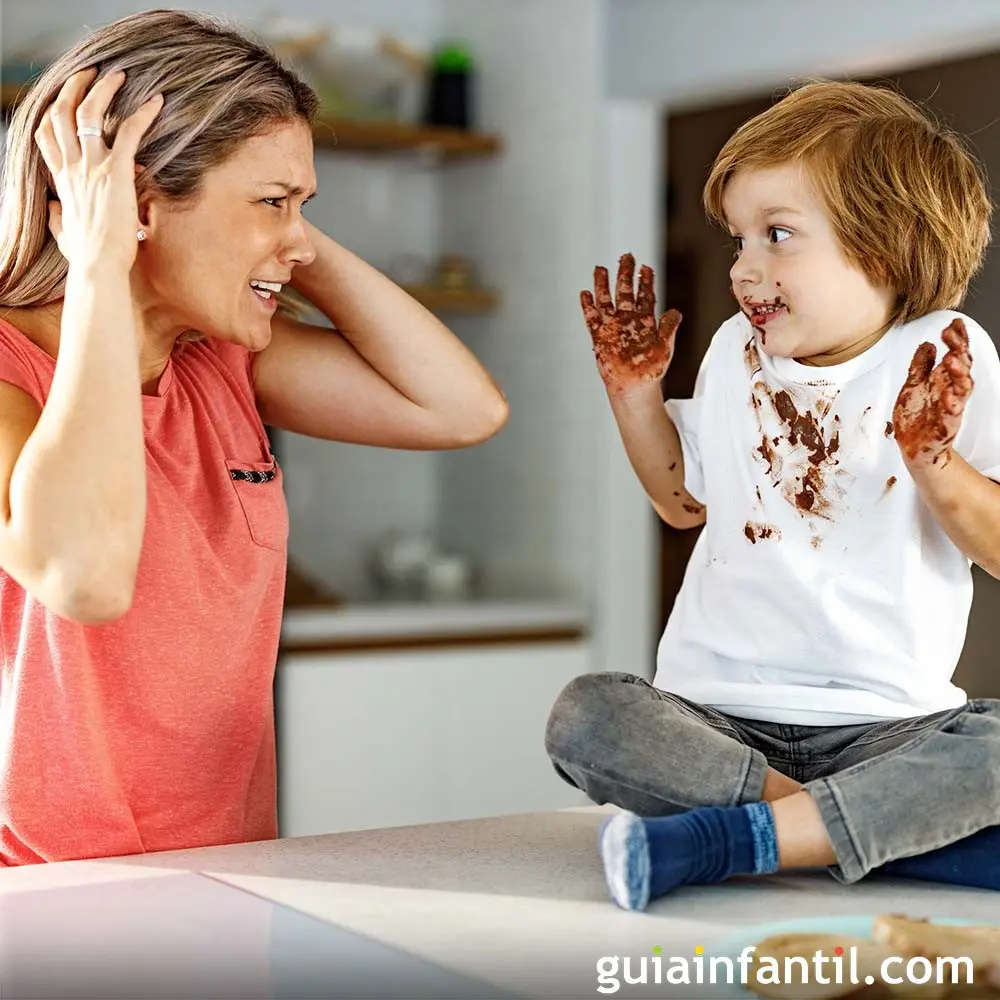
(929, 407)
(631, 347)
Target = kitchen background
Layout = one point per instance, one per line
(439, 602)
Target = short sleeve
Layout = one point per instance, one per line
(20, 365)
(978, 439)
(686, 415)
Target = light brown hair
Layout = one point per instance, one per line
(220, 88)
(907, 199)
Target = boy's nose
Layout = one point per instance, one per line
(745, 271)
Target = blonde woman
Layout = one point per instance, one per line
(151, 214)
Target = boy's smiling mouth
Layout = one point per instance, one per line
(762, 312)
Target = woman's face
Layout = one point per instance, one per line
(203, 258)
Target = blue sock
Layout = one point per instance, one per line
(974, 861)
(647, 858)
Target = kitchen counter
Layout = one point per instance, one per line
(512, 906)
(393, 624)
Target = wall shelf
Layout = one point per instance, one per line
(360, 135)
(468, 301)
(367, 136)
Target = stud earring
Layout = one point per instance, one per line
(140, 235)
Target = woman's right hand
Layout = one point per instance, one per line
(97, 216)
(631, 348)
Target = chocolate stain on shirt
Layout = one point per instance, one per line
(754, 530)
(889, 483)
(804, 469)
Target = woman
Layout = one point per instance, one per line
(151, 215)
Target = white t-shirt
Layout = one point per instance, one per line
(822, 590)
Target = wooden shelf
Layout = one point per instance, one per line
(368, 136)
(359, 135)
(469, 301)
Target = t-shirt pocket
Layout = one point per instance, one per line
(258, 487)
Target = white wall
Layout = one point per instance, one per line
(527, 496)
(342, 497)
(689, 52)
(578, 184)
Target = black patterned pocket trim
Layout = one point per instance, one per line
(250, 476)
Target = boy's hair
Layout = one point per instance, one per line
(907, 200)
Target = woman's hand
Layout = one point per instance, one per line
(96, 216)
(930, 405)
(632, 349)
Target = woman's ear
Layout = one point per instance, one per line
(145, 196)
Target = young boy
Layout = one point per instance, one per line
(841, 449)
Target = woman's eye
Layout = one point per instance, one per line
(737, 244)
(778, 235)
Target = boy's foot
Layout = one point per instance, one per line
(644, 859)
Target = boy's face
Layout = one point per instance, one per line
(791, 278)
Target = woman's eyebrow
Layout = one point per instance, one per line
(293, 189)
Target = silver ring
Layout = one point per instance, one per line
(90, 130)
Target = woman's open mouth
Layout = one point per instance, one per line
(266, 291)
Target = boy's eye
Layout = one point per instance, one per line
(276, 202)
(778, 235)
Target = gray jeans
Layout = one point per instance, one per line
(885, 790)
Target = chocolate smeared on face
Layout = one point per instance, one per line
(756, 317)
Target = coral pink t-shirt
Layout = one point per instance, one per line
(156, 731)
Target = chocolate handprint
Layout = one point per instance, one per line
(929, 407)
(630, 346)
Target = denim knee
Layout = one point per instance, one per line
(982, 721)
(579, 711)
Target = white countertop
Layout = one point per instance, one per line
(516, 902)
(423, 618)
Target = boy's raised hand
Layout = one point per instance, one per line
(929, 407)
(631, 348)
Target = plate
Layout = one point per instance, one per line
(857, 926)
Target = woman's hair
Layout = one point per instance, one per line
(907, 200)
(220, 88)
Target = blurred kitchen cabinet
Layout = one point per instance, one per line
(419, 736)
